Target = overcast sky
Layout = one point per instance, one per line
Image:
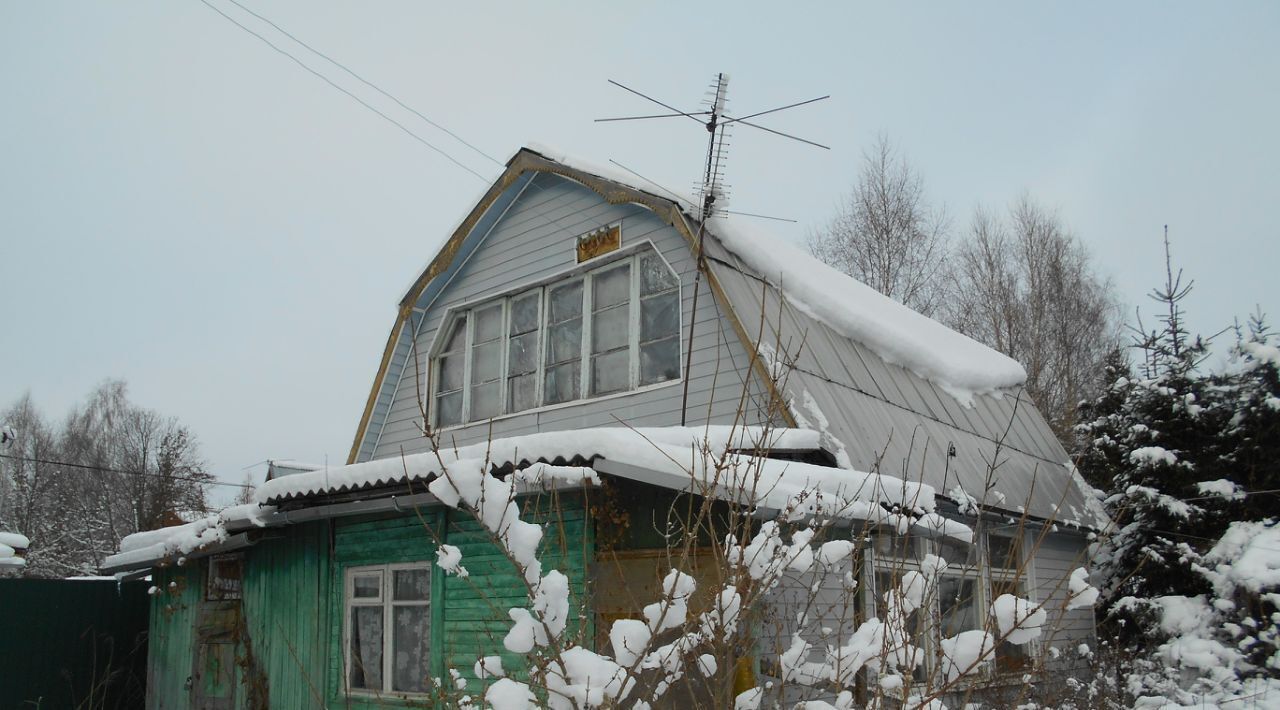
(184, 207)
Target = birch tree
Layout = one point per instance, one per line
(1027, 287)
(887, 234)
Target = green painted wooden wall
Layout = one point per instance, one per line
(286, 583)
(289, 639)
(171, 635)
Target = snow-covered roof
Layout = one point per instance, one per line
(715, 460)
(652, 447)
(960, 365)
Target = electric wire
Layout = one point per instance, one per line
(359, 100)
(369, 84)
(88, 467)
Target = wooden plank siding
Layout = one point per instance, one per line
(286, 584)
(171, 637)
(535, 239)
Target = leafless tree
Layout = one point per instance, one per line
(113, 468)
(887, 235)
(1024, 285)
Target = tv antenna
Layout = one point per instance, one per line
(712, 193)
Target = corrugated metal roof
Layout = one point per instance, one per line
(890, 418)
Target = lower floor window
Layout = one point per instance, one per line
(388, 627)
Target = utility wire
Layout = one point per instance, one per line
(369, 84)
(361, 101)
(87, 467)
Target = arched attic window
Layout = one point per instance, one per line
(592, 332)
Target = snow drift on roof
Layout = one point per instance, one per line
(959, 365)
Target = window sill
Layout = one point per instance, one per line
(561, 405)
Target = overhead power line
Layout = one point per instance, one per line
(337, 86)
(88, 467)
(369, 84)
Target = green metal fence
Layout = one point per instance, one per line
(72, 644)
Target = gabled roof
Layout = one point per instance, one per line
(888, 385)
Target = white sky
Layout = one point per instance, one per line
(183, 207)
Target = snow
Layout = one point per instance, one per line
(1262, 353)
(693, 458)
(1247, 556)
(1152, 456)
(1221, 488)
(489, 667)
(959, 365)
(14, 540)
(449, 557)
(507, 694)
(966, 653)
(143, 547)
(1019, 620)
(548, 445)
(1082, 594)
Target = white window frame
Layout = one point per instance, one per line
(984, 574)
(388, 605)
(585, 273)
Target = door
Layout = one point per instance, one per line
(213, 682)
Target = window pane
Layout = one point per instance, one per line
(409, 639)
(411, 585)
(449, 409)
(486, 400)
(654, 275)
(609, 288)
(659, 316)
(366, 647)
(958, 604)
(565, 342)
(451, 368)
(610, 373)
(562, 383)
(489, 324)
(524, 314)
(368, 586)
(660, 361)
(522, 354)
(888, 545)
(1003, 551)
(956, 552)
(458, 336)
(609, 329)
(522, 392)
(486, 362)
(566, 302)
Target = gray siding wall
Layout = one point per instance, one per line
(535, 239)
(1057, 556)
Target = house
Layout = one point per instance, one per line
(567, 322)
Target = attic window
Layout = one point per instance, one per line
(612, 329)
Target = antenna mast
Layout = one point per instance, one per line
(712, 193)
(713, 189)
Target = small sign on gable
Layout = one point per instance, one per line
(601, 241)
